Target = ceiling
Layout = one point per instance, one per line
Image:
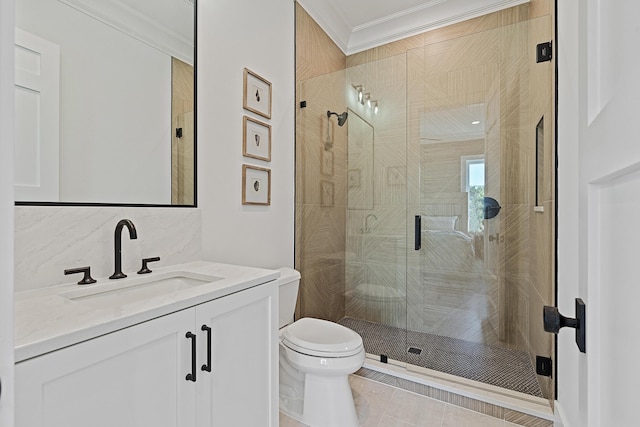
(357, 25)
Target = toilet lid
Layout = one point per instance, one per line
(318, 337)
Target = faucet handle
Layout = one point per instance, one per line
(86, 279)
(145, 261)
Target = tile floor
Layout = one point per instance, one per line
(381, 405)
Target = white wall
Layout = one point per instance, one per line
(6, 211)
(107, 157)
(259, 35)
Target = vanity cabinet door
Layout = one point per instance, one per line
(242, 387)
(134, 377)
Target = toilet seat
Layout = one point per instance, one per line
(321, 338)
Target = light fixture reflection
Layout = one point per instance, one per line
(475, 122)
(364, 98)
(360, 90)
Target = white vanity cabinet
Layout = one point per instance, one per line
(137, 376)
(242, 388)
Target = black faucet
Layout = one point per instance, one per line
(118, 274)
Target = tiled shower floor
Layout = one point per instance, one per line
(490, 364)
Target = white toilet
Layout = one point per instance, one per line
(316, 358)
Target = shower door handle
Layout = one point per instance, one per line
(417, 244)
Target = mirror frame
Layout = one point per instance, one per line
(195, 146)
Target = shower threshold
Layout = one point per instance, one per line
(489, 364)
(519, 408)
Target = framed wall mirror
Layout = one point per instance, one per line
(105, 102)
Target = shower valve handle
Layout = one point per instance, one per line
(554, 321)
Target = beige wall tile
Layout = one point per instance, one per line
(316, 53)
(322, 293)
(539, 8)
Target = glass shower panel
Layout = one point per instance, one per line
(376, 257)
(321, 197)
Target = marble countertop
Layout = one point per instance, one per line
(46, 321)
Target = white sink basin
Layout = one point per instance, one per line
(131, 290)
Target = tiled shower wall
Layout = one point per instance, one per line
(356, 259)
(320, 172)
(488, 60)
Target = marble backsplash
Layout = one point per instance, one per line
(49, 240)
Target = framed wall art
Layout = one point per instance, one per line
(256, 185)
(326, 193)
(327, 162)
(256, 139)
(257, 94)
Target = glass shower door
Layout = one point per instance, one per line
(472, 116)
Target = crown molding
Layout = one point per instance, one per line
(427, 16)
(120, 16)
(328, 17)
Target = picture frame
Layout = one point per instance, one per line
(256, 139)
(326, 193)
(327, 162)
(354, 178)
(256, 94)
(256, 185)
(396, 175)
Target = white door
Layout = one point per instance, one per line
(598, 209)
(37, 106)
(6, 212)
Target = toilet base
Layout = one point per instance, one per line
(328, 402)
(317, 400)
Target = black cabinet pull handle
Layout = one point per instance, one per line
(417, 244)
(207, 366)
(192, 375)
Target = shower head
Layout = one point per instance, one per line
(342, 118)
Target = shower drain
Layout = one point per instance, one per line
(414, 350)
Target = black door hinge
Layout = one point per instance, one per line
(544, 52)
(544, 366)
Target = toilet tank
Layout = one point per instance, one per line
(288, 284)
